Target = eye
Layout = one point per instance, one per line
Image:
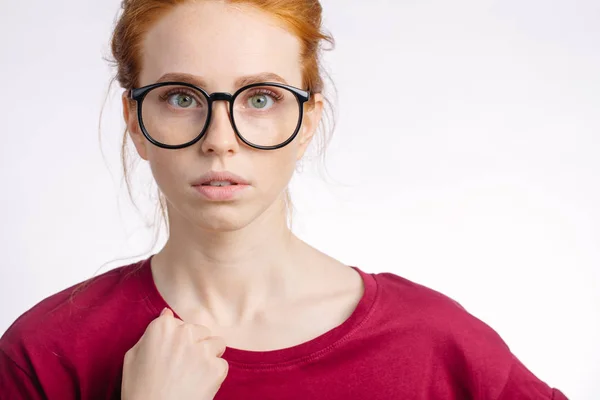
(262, 99)
(181, 98)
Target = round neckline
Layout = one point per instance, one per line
(302, 352)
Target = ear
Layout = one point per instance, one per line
(310, 123)
(133, 128)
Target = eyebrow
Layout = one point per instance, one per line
(241, 81)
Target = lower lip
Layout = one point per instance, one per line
(221, 193)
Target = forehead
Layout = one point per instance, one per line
(219, 42)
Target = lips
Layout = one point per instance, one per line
(220, 176)
(221, 193)
(220, 184)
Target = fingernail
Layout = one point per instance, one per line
(163, 311)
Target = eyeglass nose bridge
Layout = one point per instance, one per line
(216, 96)
(224, 96)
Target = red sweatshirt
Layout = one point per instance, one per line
(403, 341)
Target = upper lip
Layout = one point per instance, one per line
(220, 176)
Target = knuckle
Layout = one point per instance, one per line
(219, 345)
(189, 330)
(158, 324)
(160, 321)
(204, 347)
(203, 331)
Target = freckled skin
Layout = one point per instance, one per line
(192, 39)
(235, 266)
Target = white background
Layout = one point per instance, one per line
(466, 158)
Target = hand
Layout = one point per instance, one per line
(174, 360)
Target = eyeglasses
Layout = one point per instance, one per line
(174, 115)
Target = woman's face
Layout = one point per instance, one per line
(220, 44)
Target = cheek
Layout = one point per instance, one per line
(168, 168)
(277, 168)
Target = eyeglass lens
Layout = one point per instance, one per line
(263, 115)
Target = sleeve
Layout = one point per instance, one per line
(522, 384)
(16, 383)
(490, 369)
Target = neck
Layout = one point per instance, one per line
(230, 277)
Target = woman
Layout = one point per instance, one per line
(235, 306)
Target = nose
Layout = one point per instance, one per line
(220, 138)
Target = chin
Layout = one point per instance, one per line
(220, 217)
(220, 224)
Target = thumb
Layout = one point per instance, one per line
(166, 311)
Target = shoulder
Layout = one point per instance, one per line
(59, 334)
(71, 305)
(437, 316)
(446, 335)
(408, 299)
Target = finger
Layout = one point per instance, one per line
(195, 331)
(224, 368)
(168, 315)
(217, 345)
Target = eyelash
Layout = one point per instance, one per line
(190, 93)
(274, 95)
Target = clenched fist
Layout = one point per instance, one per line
(174, 360)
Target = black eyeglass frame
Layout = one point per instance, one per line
(139, 94)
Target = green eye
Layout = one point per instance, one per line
(259, 101)
(182, 100)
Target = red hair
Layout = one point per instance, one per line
(301, 17)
